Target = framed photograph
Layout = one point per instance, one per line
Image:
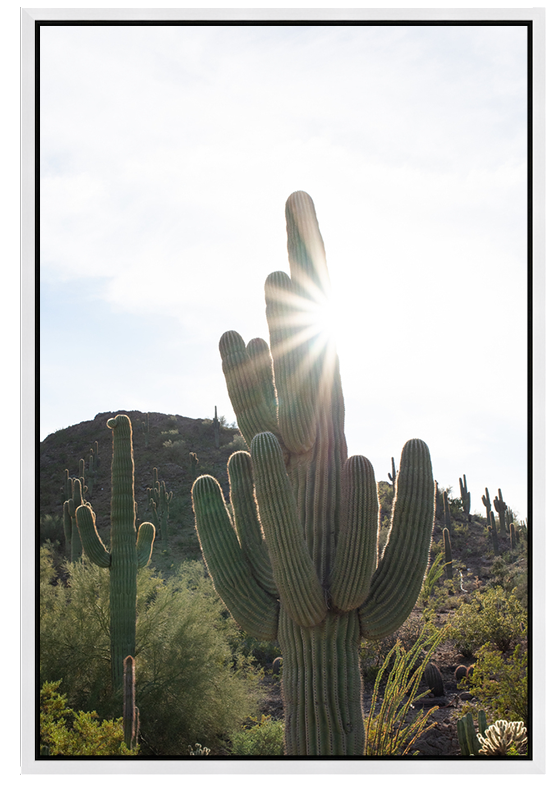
(283, 344)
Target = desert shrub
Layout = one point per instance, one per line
(492, 616)
(51, 527)
(77, 733)
(193, 683)
(499, 683)
(237, 443)
(259, 738)
(263, 653)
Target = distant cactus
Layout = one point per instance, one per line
(501, 509)
(159, 503)
(393, 474)
(433, 679)
(494, 534)
(129, 550)
(487, 505)
(145, 429)
(470, 671)
(71, 532)
(514, 538)
(465, 497)
(460, 673)
(194, 466)
(448, 559)
(467, 736)
(497, 739)
(447, 513)
(277, 665)
(217, 429)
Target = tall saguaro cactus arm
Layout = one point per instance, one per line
(396, 583)
(252, 607)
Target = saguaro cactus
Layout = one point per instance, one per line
(299, 559)
(465, 497)
(486, 504)
(70, 525)
(129, 549)
(448, 563)
(216, 429)
(501, 508)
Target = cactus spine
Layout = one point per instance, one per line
(302, 566)
(129, 549)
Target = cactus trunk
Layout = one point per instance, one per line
(322, 686)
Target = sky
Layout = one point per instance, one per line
(167, 155)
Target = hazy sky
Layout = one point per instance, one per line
(167, 154)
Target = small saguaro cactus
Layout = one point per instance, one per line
(130, 712)
(217, 429)
(514, 538)
(466, 734)
(487, 505)
(500, 507)
(447, 513)
(71, 532)
(494, 534)
(465, 498)
(129, 549)
(393, 474)
(159, 502)
(298, 559)
(448, 558)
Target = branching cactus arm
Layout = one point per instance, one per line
(396, 583)
(251, 606)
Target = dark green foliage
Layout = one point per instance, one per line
(490, 616)
(263, 737)
(499, 682)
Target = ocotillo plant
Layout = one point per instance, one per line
(299, 560)
(216, 429)
(448, 558)
(465, 498)
(501, 508)
(486, 504)
(129, 549)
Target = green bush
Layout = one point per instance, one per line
(77, 733)
(260, 738)
(492, 616)
(499, 684)
(193, 683)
